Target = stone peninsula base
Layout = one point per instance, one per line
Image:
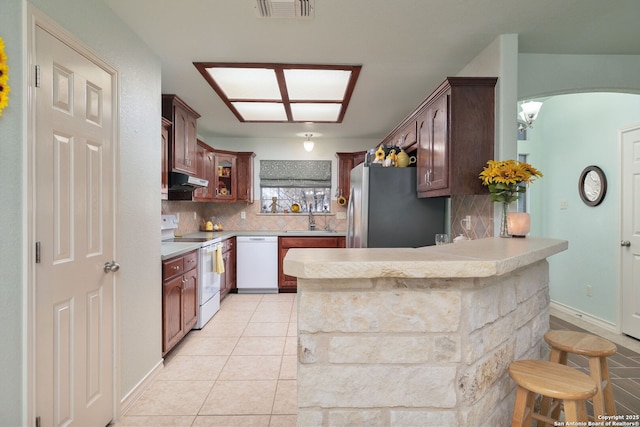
(417, 351)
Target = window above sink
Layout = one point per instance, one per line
(295, 186)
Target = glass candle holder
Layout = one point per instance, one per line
(518, 223)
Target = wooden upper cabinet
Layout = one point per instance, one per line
(433, 146)
(452, 134)
(164, 189)
(244, 168)
(225, 175)
(404, 136)
(346, 162)
(183, 134)
(204, 169)
(455, 132)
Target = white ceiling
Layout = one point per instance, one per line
(406, 47)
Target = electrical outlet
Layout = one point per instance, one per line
(195, 216)
(243, 215)
(564, 204)
(467, 222)
(341, 215)
(589, 290)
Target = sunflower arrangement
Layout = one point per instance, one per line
(507, 179)
(4, 78)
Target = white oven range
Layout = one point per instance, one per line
(208, 279)
(208, 284)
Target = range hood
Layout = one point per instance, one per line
(183, 182)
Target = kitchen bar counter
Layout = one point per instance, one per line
(418, 336)
(172, 249)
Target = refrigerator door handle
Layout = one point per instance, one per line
(350, 222)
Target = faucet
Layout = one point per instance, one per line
(312, 221)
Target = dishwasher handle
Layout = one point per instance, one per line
(257, 239)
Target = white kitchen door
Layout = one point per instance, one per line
(630, 238)
(74, 226)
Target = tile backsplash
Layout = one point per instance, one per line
(230, 215)
(479, 208)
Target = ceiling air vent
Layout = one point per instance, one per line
(284, 8)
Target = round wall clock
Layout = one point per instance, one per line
(592, 185)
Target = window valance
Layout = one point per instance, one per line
(295, 173)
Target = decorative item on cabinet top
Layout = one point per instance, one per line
(403, 159)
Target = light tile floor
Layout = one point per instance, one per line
(239, 370)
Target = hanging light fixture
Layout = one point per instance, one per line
(308, 144)
(529, 113)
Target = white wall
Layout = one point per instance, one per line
(569, 134)
(138, 248)
(138, 223)
(574, 131)
(543, 74)
(12, 138)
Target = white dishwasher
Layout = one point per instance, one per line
(257, 264)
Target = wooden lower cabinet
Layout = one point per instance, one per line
(289, 283)
(179, 298)
(228, 278)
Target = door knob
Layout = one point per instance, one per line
(625, 243)
(111, 267)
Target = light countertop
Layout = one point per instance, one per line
(473, 258)
(172, 249)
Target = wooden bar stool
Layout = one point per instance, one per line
(596, 349)
(554, 380)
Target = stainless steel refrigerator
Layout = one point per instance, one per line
(384, 211)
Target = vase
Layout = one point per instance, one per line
(504, 226)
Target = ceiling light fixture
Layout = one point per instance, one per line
(308, 144)
(529, 113)
(283, 93)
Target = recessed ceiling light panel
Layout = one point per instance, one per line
(315, 112)
(261, 111)
(329, 85)
(247, 83)
(302, 93)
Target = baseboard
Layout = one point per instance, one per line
(136, 392)
(572, 313)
